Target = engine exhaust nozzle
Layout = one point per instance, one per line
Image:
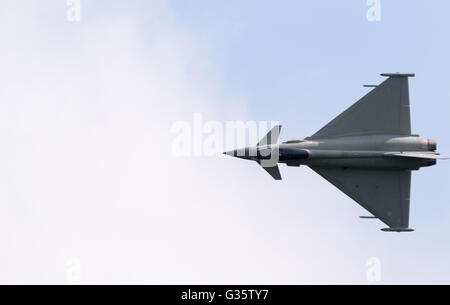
(431, 145)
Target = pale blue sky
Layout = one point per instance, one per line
(85, 121)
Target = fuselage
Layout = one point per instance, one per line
(368, 151)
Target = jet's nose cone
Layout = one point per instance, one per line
(248, 153)
(230, 153)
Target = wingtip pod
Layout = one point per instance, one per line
(397, 230)
(398, 74)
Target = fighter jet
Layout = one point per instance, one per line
(368, 152)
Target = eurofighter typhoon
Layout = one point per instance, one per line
(368, 152)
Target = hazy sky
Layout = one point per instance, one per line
(91, 192)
